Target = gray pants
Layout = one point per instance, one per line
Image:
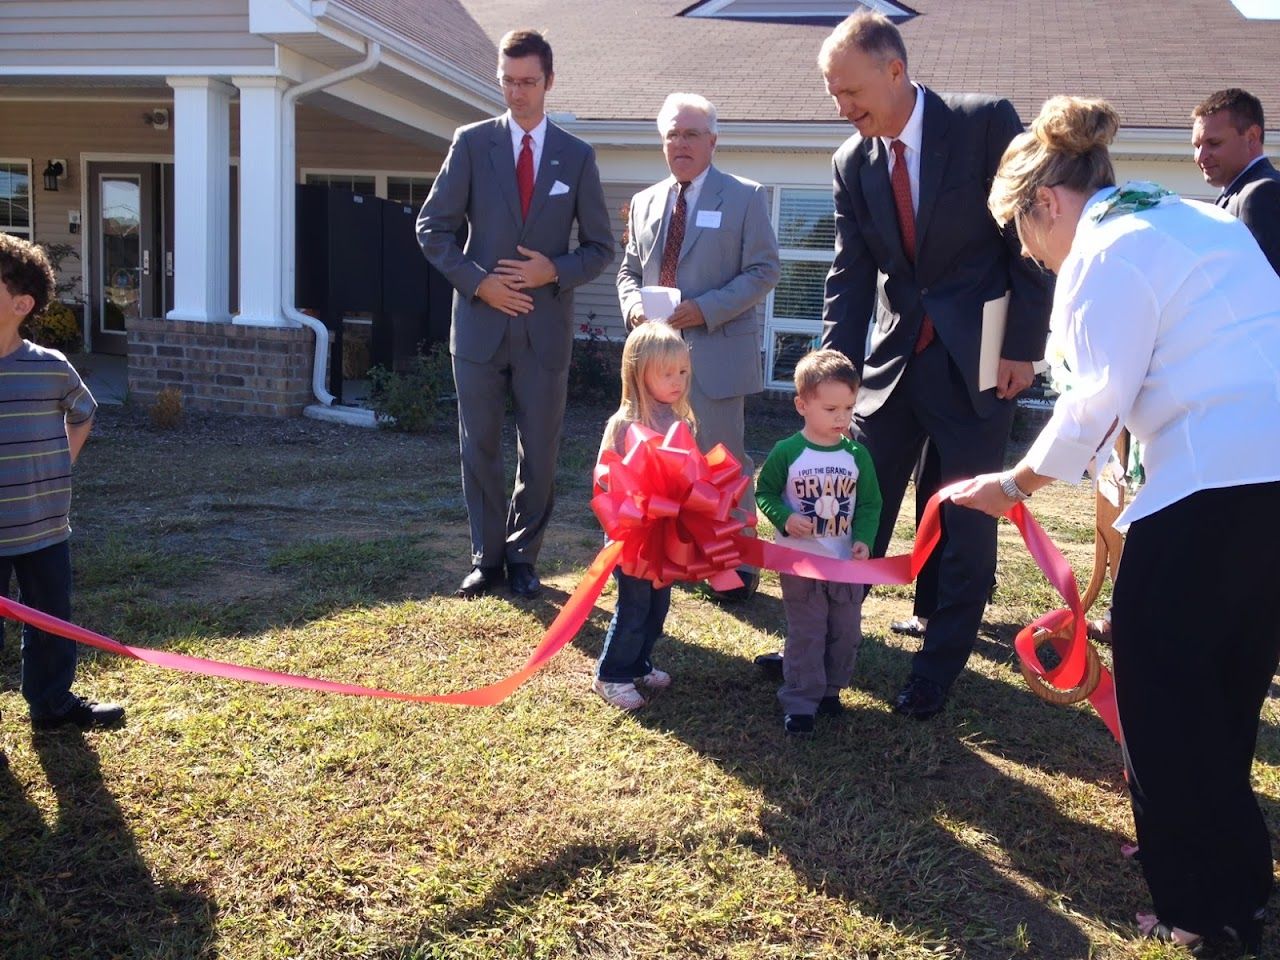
(724, 421)
(501, 531)
(824, 631)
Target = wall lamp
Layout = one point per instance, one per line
(55, 171)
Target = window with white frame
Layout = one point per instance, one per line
(409, 189)
(806, 241)
(15, 197)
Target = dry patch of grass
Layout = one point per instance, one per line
(239, 821)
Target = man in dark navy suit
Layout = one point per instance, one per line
(920, 267)
(1227, 138)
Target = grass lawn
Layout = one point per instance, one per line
(240, 821)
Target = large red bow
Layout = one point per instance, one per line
(672, 508)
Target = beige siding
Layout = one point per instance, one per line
(596, 303)
(144, 34)
(40, 131)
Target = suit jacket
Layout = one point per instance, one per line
(727, 269)
(1255, 199)
(962, 258)
(477, 186)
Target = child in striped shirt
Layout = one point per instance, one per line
(45, 417)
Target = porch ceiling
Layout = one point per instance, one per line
(377, 121)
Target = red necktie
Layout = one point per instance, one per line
(901, 182)
(675, 240)
(524, 175)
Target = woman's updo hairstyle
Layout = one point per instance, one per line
(1066, 146)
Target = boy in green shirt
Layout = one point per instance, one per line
(818, 488)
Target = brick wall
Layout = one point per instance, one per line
(222, 367)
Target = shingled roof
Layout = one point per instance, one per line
(617, 59)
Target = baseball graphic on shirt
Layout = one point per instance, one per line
(826, 507)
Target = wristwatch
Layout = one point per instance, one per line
(1009, 487)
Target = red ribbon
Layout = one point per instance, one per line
(670, 513)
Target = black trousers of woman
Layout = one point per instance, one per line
(1196, 634)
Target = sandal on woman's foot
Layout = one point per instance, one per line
(1149, 926)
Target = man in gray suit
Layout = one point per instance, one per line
(709, 234)
(918, 259)
(1227, 137)
(517, 182)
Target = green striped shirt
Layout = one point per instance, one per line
(40, 393)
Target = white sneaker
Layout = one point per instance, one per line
(655, 679)
(624, 696)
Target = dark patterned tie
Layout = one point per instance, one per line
(675, 240)
(524, 175)
(901, 181)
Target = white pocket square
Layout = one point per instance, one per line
(558, 188)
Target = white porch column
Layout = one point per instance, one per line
(202, 192)
(261, 183)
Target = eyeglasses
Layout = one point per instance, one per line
(527, 83)
(685, 136)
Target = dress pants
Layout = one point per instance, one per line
(932, 401)
(724, 421)
(1196, 638)
(502, 531)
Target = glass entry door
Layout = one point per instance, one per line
(123, 271)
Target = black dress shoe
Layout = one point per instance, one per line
(770, 665)
(522, 580)
(85, 714)
(479, 582)
(750, 584)
(919, 698)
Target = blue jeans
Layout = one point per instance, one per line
(48, 662)
(637, 623)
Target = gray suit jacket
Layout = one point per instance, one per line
(1255, 199)
(477, 187)
(727, 270)
(962, 258)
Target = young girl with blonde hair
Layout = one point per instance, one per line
(655, 393)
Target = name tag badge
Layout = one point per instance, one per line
(709, 219)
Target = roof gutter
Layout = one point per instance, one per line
(289, 212)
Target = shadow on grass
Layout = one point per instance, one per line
(78, 887)
(914, 822)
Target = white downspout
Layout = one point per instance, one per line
(288, 218)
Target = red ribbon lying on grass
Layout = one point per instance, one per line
(669, 511)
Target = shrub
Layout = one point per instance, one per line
(595, 367)
(411, 401)
(56, 327)
(166, 412)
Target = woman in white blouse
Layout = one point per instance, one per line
(1167, 316)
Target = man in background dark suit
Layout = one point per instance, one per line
(519, 183)
(919, 263)
(1227, 137)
